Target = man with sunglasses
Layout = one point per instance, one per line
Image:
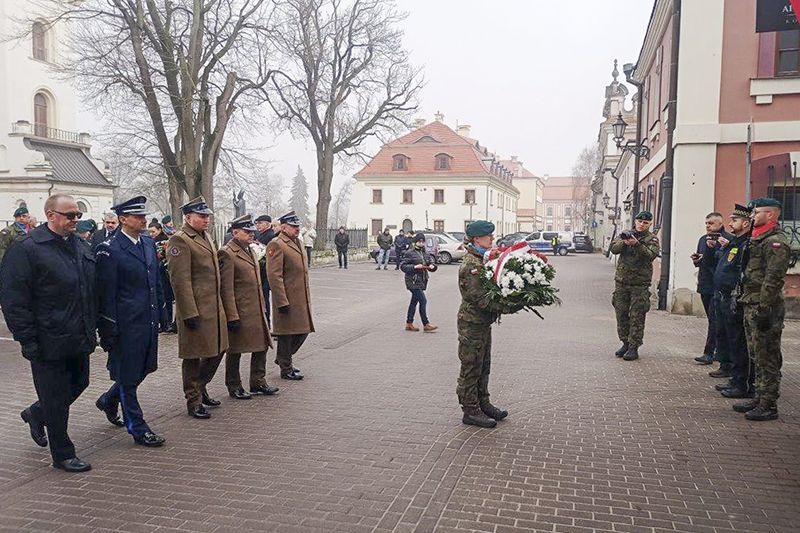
(47, 278)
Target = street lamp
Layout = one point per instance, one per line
(606, 199)
(639, 150)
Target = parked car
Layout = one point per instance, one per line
(431, 246)
(540, 241)
(511, 239)
(450, 249)
(583, 243)
(457, 235)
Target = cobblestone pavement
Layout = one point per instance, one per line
(371, 441)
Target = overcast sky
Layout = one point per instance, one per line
(527, 75)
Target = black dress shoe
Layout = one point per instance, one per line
(240, 394)
(723, 386)
(735, 392)
(37, 428)
(111, 413)
(295, 376)
(209, 401)
(265, 389)
(150, 440)
(721, 373)
(621, 351)
(704, 359)
(199, 412)
(72, 465)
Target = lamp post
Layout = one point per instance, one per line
(637, 149)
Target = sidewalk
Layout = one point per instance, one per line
(371, 440)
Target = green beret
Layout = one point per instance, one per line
(166, 220)
(20, 211)
(84, 226)
(645, 215)
(764, 202)
(480, 228)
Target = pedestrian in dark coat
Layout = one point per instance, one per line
(48, 299)
(342, 241)
(110, 225)
(130, 300)
(401, 243)
(416, 265)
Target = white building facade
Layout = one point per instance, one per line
(433, 178)
(40, 152)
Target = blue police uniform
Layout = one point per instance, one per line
(130, 301)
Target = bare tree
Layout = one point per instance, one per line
(584, 170)
(182, 65)
(344, 78)
(340, 206)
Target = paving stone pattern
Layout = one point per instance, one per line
(371, 441)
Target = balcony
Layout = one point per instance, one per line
(27, 129)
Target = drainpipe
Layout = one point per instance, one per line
(637, 164)
(669, 174)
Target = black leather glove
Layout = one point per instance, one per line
(30, 351)
(763, 320)
(192, 323)
(284, 310)
(108, 342)
(234, 325)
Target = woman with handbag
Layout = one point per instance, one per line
(416, 265)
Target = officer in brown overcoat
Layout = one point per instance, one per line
(200, 315)
(243, 298)
(287, 269)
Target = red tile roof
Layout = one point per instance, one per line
(421, 147)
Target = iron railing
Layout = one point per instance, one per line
(41, 130)
(359, 238)
(784, 188)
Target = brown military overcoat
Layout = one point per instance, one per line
(195, 277)
(287, 270)
(243, 299)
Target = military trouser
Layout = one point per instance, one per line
(258, 370)
(197, 373)
(631, 303)
(475, 353)
(730, 318)
(287, 347)
(765, 350)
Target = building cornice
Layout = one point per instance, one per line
(659, 20)
(431, 180)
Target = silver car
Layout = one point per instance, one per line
(450, 249)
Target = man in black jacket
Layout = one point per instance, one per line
(400, 246)
(48, 299)
(110, 225)
(705, 259)
(342, 241)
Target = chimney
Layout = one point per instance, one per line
(513, 159)
(419, 123)
(464, 130)
(439, 117)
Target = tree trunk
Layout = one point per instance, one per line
(324, 180)
(176, 198)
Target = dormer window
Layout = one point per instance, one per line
(400, 162)
(443, 162)
(426, 139)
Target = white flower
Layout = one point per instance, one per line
(259, 250)
(539, 278)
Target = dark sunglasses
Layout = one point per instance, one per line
(71, 216)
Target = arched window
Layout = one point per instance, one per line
(443, 162)
(41, 113)
(38, 33)
(400, 162)
(82, 207)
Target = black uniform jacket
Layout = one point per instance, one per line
(728, 271)
(708, 263)
(130, 300)
(47, 294)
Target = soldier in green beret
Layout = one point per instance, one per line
(15, 231)
(637, 250)
(766, 263)
(475, 318)
(84, 229)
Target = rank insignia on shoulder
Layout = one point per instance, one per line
(174, 251)
(776, 245)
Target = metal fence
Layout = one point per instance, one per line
(359, 238)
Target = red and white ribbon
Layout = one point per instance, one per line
(504, 257)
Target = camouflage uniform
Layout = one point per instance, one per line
(631, 299)
(475, 317)
(9, 235)
(766, 264)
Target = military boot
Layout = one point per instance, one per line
(762, 413)
(476, 417)
(621, 351)
(632, 354)
(745, 406)
(493, 412)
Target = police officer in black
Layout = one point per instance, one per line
(48, 298)
(130, 302)
(730, 314)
